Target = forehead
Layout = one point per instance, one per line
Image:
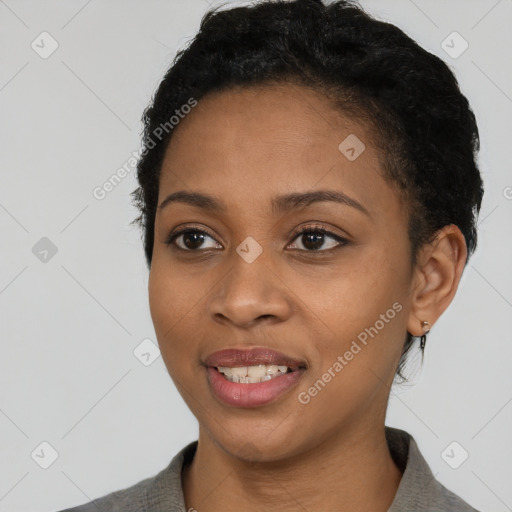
(248, 144)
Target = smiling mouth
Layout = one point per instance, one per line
(254, 374)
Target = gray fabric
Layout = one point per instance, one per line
(418, 489)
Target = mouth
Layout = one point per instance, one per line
(252, 377)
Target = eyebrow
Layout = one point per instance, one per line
(280, 204)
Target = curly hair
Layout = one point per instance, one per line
(368, 69)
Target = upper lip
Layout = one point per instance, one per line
(232, 357)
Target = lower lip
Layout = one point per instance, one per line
(251, 395)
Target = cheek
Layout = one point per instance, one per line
(169, 304)
(161, 303)
(173, 295)
(363, 305)
(355, 359)
(353, 295)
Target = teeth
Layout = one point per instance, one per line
(239, 372)
(272, 369)
(252, 374)
(256, 371)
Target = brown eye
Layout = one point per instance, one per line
(314, 239)
(191, 239)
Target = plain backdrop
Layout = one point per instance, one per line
(73, 280)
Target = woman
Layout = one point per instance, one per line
(308, 196)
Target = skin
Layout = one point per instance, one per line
(245, 146)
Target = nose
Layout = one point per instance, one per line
(250, 294)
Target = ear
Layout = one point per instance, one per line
(436, 277)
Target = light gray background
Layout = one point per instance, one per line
(69, 326)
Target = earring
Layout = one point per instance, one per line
(426, 329)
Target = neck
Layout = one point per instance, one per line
(350, 471)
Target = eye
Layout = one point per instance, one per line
(191, 238)
(313, 238)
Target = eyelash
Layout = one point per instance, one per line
(305, 229)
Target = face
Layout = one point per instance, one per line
(325, 282)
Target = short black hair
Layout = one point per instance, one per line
(369, 69)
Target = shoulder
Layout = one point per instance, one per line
(418, 489)
(160, 492)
